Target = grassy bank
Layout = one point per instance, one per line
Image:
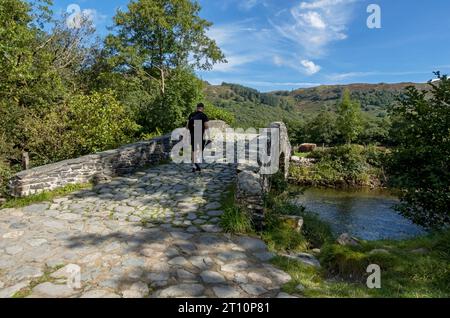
(343, 166)
(416, 268)
(44, 196)
(412, 268)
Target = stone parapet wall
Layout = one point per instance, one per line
(252, 185)
(91, 168)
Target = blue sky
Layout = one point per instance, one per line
(287, 44)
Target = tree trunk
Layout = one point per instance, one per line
(163, 81)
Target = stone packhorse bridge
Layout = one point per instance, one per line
(144, 230)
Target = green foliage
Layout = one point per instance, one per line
(405, 273)
(421, 163)
(163, 34)
(235, 220)
(5, 173)
(248, 106)
(281, 235)
(98, 122)
(351, 264)
(375, 131)
(245, 94)
(87, 124)
(278, 183)
(217, 113)
(61, 97)
(347, 165)
(46, 137)
(313, 282)
(349, 118)
(321, 129)
(316, 231)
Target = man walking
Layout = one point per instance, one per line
(197, 125)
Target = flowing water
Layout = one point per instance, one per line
(366, 213)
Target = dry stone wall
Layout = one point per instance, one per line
(252, 185)
(100, 166)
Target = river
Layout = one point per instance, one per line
(364, 213)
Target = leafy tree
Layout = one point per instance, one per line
(322, 128)
(98, 122)
(160, 42)
(217, 113)
(40, 58)
(375, 131)
(421, 162)
(86, 124)
(349, 121)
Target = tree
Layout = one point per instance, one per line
(86, 124)
(322, 128)
(161, 42)
(420, 164)
(349, 121)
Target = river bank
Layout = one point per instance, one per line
(346, 166)
(322, 264)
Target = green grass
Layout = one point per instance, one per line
(284, 238)
(313, 282)
(301, 154)
(404, 273)
(343, 166)
(281, 235)
(235, 219)
(25, 292)
(44, 196)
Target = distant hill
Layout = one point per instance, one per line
(253, 108)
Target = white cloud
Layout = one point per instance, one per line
(315, 24)
(310, 67)
(234, 62)
(304, 66)
(344, 76)
(353, 75)
(313, 19)
(278, 61)
(241, 43)
(248, 4)
(261, 84)
(324, 4)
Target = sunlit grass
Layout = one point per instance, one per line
(44, 196)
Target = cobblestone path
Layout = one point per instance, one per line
(155, 233)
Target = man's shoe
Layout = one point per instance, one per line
(194, 170)
(199, 169)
